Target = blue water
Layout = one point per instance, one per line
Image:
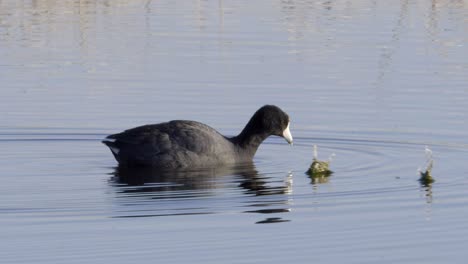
(373, 82)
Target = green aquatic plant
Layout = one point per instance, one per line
(318, 168)
(426, 174)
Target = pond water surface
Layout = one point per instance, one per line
(373, 82)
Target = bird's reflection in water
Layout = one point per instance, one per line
(272, 220)
(137, 187)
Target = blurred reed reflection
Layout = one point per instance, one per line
(41, 21)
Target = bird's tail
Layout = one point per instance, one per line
(112, 144)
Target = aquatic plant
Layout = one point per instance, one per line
(319, 168)
(426, 175)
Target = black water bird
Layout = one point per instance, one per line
(190, 144)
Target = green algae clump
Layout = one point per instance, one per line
(426, 174)
(319, 168)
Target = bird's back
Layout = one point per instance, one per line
(174, 144)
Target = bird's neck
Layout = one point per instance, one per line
(249, 142)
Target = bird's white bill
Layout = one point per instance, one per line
(287, 135)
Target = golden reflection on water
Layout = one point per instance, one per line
(310, 28)
(30, 21)
(325, 44)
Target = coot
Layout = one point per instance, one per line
(190, 144)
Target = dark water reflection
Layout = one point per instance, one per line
(426, 190)
(149, 183)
